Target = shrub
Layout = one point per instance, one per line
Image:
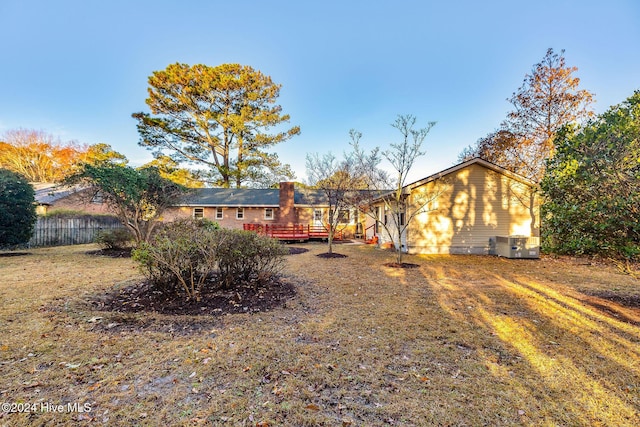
(246, 257)
(189, 255)
(17, 209)
(117, 239)
(180, 256)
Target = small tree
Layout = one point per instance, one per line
(389, 191)
(337, 180)
(17, 209)
(138, 197)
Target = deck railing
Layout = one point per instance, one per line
(292, 231)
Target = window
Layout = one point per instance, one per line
(343, 216)
(198, 213)
(402, 218)
(240, 213)
(268, 213)
(97, 198)
(317, 215)
(219, 213)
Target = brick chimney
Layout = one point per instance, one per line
(286, 213)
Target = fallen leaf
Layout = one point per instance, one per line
(312, 407)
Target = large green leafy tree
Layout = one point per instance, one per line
(592, 186)
(220, 117)
(17, 209)
(138, 197)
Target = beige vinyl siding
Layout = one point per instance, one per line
(478, 203)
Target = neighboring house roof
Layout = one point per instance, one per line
(48, 193)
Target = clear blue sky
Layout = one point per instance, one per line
(78, 69)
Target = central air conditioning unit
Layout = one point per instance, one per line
(515, 247)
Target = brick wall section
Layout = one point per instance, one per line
(287, 212)
(80, 201)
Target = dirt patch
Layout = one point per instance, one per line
(142, 297)
(331, 255)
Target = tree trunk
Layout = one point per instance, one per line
(330, 239)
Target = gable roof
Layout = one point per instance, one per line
(475, 160)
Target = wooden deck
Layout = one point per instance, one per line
(299, 232)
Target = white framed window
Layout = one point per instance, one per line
(317, 215)
(268, 213)
(198, 213)
(240, 213)
(219, 213)
(343, 216)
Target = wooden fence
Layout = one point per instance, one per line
(55, 231)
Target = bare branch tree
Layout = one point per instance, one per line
(337, 181)
(389, 200)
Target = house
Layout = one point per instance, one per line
(468, 205)
(244, 207)
(55, 197)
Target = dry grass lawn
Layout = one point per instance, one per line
(459, 341)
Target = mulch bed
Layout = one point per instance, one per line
(331, 255)
(126, 253)
(295, 250)
(10, 254)
(142, 297)
(112, 253)
(401, 265)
